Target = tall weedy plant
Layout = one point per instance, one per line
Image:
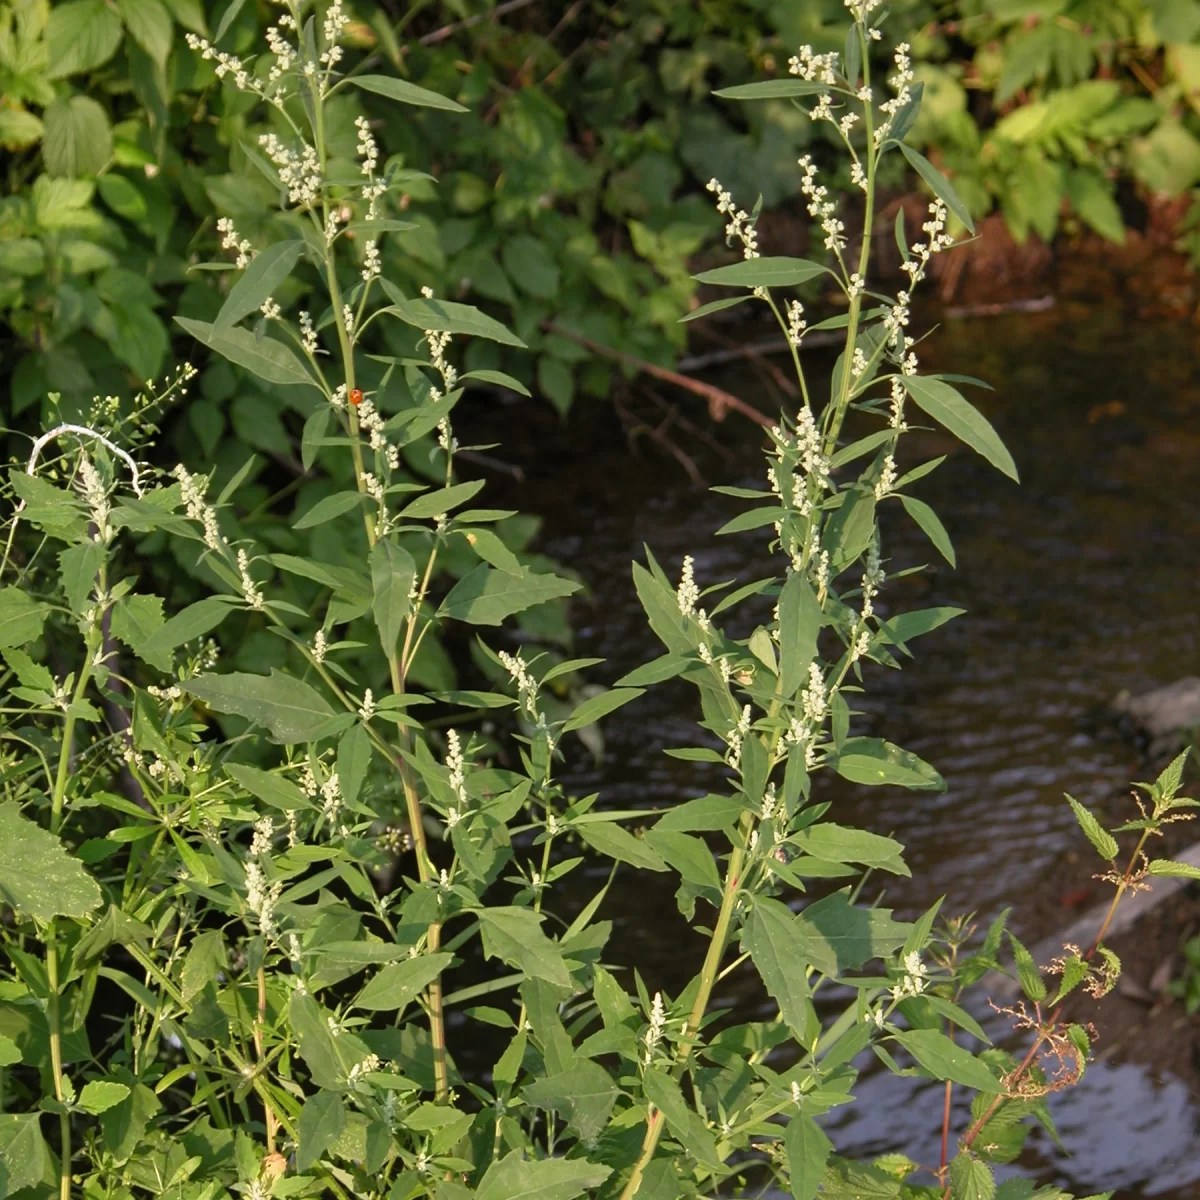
(243, 965)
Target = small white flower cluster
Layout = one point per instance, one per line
(368, 1065)
(900, 84)
(249, 588)
(336, 20)
(807, 443)
(939, 240)
(192, 488)
(264, 832)
(796, 322)
(656, 1028)
(458, 785)
(366, 710)
(227, 64)
(856, 286)
(348, 321)
(814, 700)
(872, 580)
(331, 798)
(95, 495)
(270, 309)
(285, 54)
(860, 10)
(820, 207)
(308, 335)
(858, 364)
(446, 439)
(368, 152)
(819, 68)
(261, 897)
(688, 593)
(231, 241)
(320, 646)
(371, 421)
(299, 170)
(887, 477)
(371, 266)
(737, 737)
(527, 688)
(915, 978)
(741, 224)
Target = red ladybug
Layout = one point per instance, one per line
(356, 396)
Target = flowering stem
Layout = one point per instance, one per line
(708, 977)
(864, 255)
(258, 1049)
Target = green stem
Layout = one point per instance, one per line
(54, 1006)
(708, 977)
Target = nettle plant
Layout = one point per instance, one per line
(329, 961)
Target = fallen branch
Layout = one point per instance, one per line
(720, 402)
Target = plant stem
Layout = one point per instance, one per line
(708, 977)
(973, 1132)
(260, 1021)
(54, 1007)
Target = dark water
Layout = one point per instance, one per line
(1078, 583)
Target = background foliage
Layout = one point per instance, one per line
(571, 193)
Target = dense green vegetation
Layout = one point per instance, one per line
(570, 194)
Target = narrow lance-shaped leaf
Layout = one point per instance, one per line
(405, 92)
(392, 574)
(266, 271)
(1105, 843)
(938, 183)
(265, 357)
(290, 709)
(774, 942)
(949, 408)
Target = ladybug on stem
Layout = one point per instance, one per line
(356, 396)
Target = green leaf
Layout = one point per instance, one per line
(1105, 843)
(530, 264)
(839, 936)
(149, 24)
(80, 36)
(1180, 870)
(665, 1094)
(271, 789)
(714, 306)
(185, 626)
(499, 378)
(320, 1124)
(392, 574)
(78, 138)
(852, 526)
(1032, 983)
(21, 617)
(266, 271)
(491, 548)
(949, 408)
(290, 709)
(37, 876)
(405, 92)
(328, 509)
(971, 1179)
(136, 619)
(583, 1095)
(703, 813)
(903, 627)
(875, 761)
(100, 1095)
(930, 523)
(23, 1154)
(10, 1052)
(264, 357)
(515, 936)
(938, 184)
(943, 1059)
(1092, 198)
(764, 272)
(592, 709)
(838, 843)
(516, 1178)
(772, 89)
(775, 944)
(78, 567)
(799, 625)
(447, 317)
(612, 840)
(441, 502)
(399, 984)
(485, 596)
(808, 1151)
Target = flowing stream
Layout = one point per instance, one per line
(1077, 584)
